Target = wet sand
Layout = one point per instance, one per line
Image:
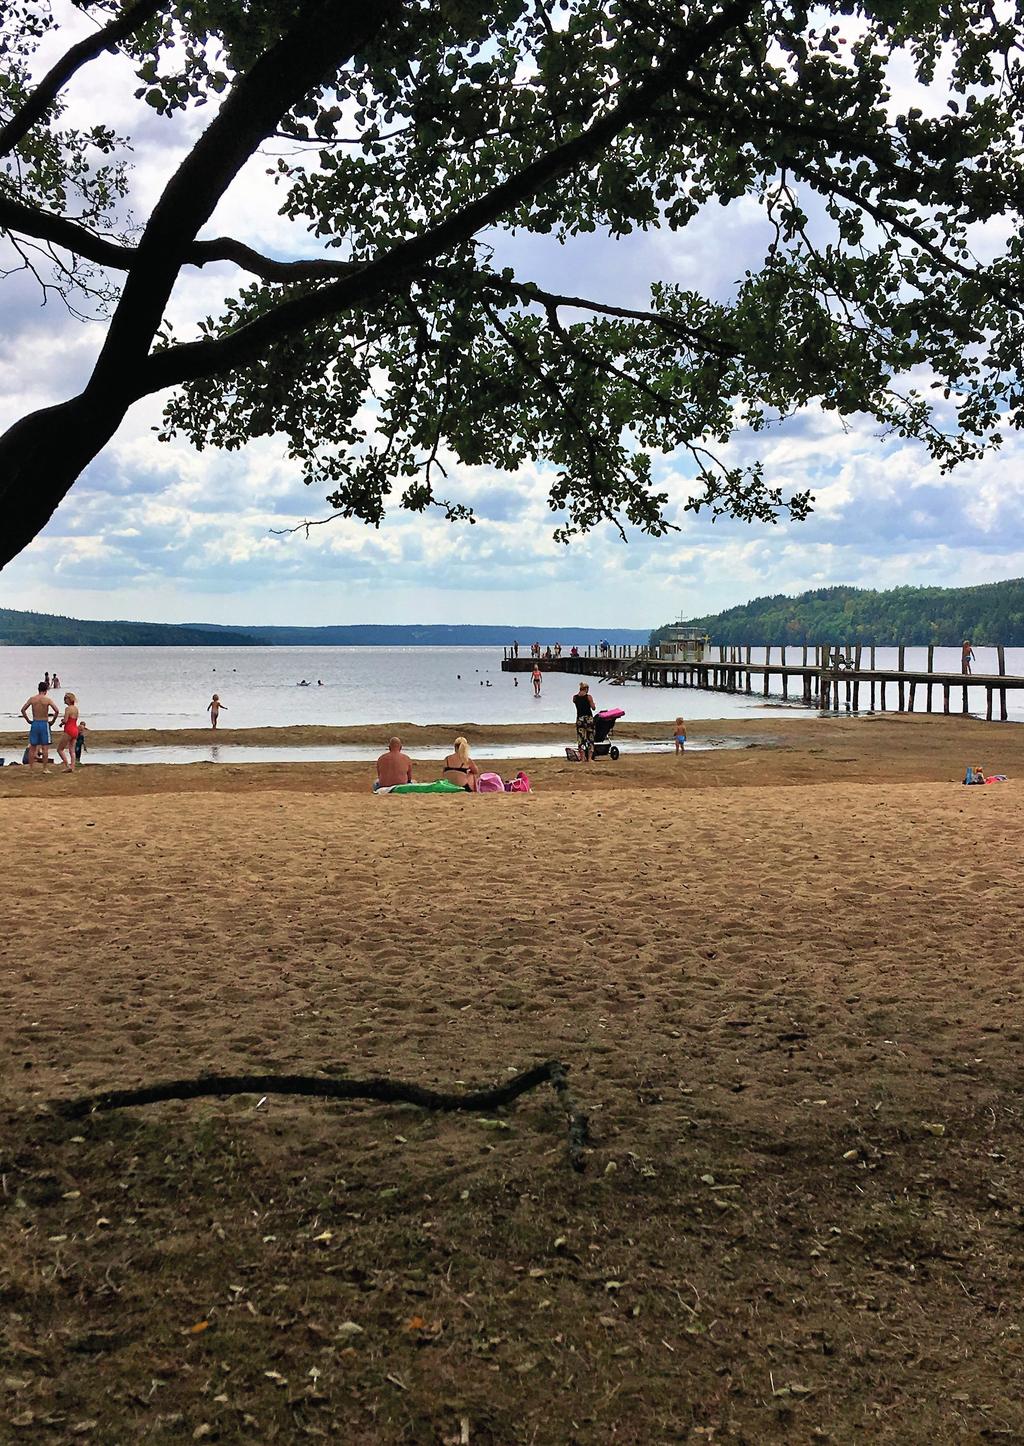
(792, 750)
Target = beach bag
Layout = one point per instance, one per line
(519, 784)
(490, 783)
(572, 754)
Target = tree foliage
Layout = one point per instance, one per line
(29, 629)
(989, 614)
(418, 133)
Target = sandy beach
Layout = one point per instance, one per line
(785, 978)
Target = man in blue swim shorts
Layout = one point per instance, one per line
(43, 711)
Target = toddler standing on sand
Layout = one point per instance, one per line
(680, 735)
(213, 708)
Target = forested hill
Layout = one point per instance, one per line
(991, 613)
(46, 630)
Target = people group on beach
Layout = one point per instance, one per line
(40, 712)
(395, 767)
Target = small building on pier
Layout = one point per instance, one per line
(683, 643)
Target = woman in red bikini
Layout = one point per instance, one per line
(66, 748)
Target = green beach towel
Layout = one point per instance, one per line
(440, 785)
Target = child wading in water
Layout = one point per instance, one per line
(680, 735)
(213, 708)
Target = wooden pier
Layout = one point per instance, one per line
(825, 678)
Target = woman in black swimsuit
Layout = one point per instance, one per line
(460, 768)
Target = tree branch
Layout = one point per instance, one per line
(194, 360)
(322, 35)
(268, 268)
(45, 226)
(526, 291)
(381, 1090)
(886, 215)
(46, 92)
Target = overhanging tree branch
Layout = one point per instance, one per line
(16, 216)
(42, 98)
(192, 361)
(323, 35)
(36, 471)
(669, 110)
(27, 220)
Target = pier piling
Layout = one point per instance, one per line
(828, 676)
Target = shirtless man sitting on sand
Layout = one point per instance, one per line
(44, 712)
(393, 766)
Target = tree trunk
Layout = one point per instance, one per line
(43, 454)
(41, 457)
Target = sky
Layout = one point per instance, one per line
(160, 532)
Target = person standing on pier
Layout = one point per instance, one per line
(966, 657)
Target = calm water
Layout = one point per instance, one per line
(367, 753)
(170, 687)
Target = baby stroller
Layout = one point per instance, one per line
(604, 722)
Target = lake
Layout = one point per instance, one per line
(170, 687)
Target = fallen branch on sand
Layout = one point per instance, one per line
(385, 1091)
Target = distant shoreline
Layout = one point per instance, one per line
(48, 630)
